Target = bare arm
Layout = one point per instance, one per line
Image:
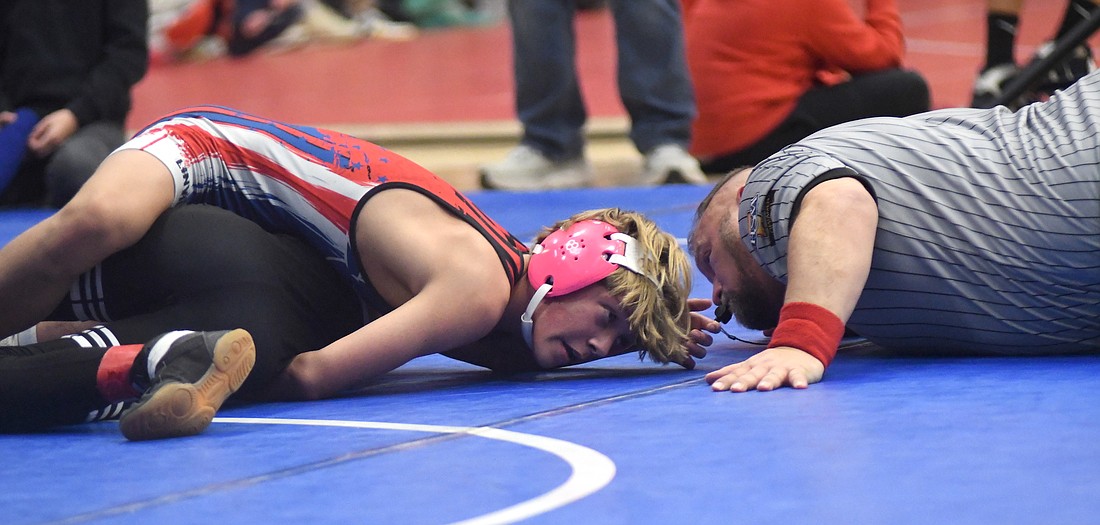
(447, 279)
(831, 245)
(829, 259)
(415, 329)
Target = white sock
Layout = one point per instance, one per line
(156, 353)
(24, 338)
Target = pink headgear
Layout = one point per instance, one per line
(570, 259)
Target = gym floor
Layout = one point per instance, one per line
(886, 438)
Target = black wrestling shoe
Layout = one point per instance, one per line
(195, 376)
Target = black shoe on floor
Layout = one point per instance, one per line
(195, 376)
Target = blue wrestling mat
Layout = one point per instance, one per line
(884, 439)
(14, 221)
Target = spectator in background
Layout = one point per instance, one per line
(1000, 53)
(435, 13)
(202, 29)
(768, 73)
(653, 83)
(66, 71)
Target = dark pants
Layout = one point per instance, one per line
(890, 93)
(53, 180)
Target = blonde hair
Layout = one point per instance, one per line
(658, 314)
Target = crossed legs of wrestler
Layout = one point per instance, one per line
(198, 268)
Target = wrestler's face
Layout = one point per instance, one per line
(579, 327)
(747, 291)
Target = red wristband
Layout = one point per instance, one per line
(810, 328)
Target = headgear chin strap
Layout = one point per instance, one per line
(570, 259)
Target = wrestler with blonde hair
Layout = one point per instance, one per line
(435, 274)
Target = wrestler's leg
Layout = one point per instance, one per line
(110, 212)
(185, 379)
(57, 383)
(199, 268)
(203, 268)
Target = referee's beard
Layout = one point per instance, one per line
(756, 301)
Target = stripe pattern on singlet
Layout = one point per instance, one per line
(306, 181)
(989, 229)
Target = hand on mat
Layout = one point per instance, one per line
(51, 131)
(7, 117)
(698, 338)
(768, 370)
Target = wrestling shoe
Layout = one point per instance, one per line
(990, 84)
(671, 164)
(1062, 75)
(526, 169)
(188, 384)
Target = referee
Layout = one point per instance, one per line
(957, 230)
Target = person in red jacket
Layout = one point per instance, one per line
(768, 73)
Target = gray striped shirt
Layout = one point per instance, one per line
(989, 222)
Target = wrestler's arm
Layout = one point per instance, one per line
(457, 292)
(429, 323)
(828, 261)
(114, 209)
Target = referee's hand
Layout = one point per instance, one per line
(768, 370)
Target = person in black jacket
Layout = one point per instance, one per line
(66, 71)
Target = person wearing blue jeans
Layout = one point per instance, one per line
(653, 83)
